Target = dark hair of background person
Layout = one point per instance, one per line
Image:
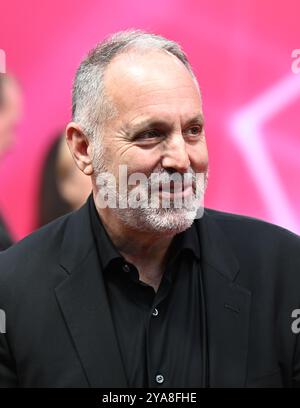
(51, 204)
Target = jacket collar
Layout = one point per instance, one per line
(85, 307)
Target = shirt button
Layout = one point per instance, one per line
(159, 379)
(126, 268)
(155, 312)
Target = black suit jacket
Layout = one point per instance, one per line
(5, 239)
(59, 329)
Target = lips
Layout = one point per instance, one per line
(176, 190)
(172, 185)
(175, 187)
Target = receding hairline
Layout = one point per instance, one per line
(98, 62)
(141, 52)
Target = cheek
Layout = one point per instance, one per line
(199, 158)
(141, 160)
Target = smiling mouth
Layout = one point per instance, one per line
(175, 189)
(176, 192)
(172, 188)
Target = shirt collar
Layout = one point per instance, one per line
(186, 241)
(106, 248)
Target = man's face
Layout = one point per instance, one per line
(158, 128)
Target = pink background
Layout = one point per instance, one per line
(241, 52)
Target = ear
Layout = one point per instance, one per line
(80, 148)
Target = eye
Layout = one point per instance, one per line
(149, 134)
(194, 130)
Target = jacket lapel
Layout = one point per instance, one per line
(227, 308)
(83, 301)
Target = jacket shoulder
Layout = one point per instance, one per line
(228, 216)
(237, 222)
(37, 248)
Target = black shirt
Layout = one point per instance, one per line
(159, 333)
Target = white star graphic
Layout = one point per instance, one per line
(246, 129)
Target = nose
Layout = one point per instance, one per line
(175, 155)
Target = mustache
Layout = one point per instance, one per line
(164, 176)
(161, 179)
(173, 181)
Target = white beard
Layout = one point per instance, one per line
(144, 218)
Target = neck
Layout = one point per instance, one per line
(146, 250)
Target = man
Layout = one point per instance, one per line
(122, 293)
(10, 110)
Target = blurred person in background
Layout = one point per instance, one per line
(63, 187)
(10, 114)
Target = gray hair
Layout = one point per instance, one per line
(91, 107)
